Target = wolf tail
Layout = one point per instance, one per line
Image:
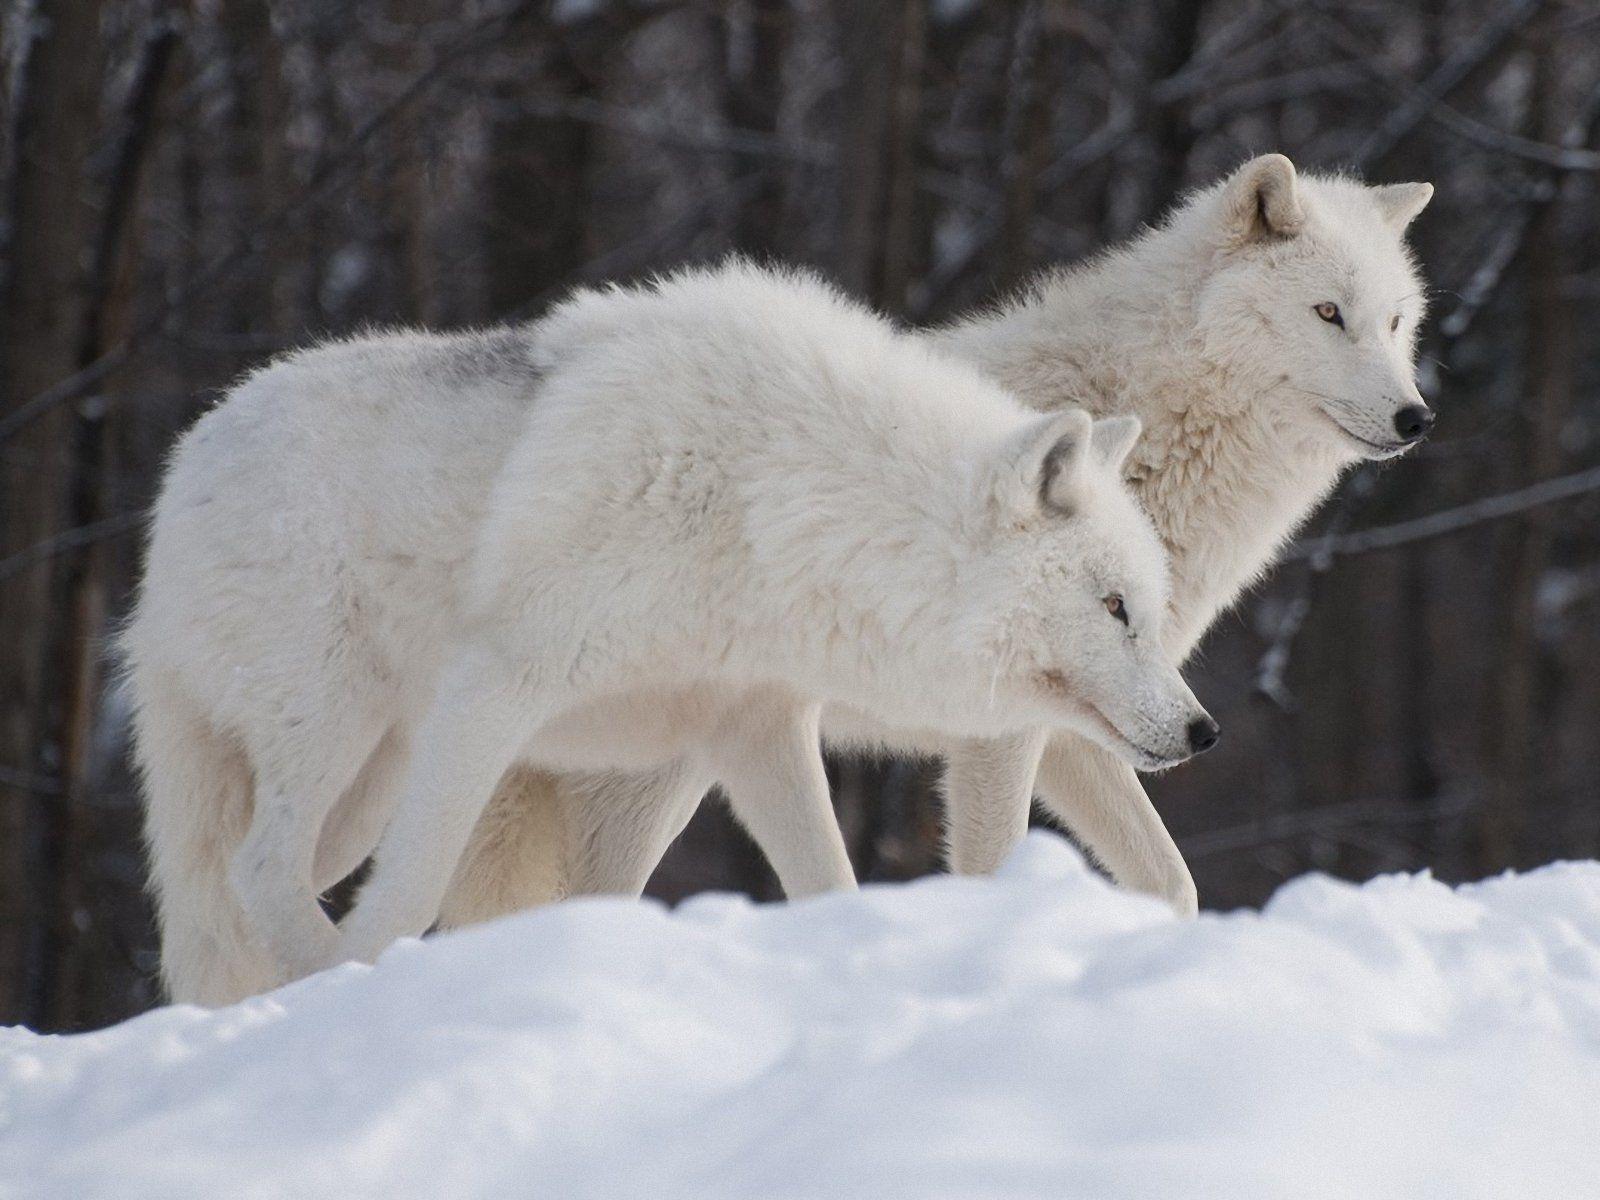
(198, 802)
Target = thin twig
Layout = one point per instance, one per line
(68, 541)
(1323, 821)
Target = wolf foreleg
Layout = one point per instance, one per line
(1100, 798)
(770, 763)
(988, 790)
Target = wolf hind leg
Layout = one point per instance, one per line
(198, 788)
(621, 824)
(517, 857)
(542, 838)
(352, 829)
(480, 719)
(298, 781)
(545, 836)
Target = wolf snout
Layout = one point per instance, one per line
(1413, 422)
(1203, 734)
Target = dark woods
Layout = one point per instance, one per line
(188, 188)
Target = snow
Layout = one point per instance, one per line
(1038, 1034)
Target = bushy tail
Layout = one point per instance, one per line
(197, 789)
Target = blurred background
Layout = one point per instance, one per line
(188, 188)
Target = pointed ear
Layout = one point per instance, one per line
(1113, 439)
(1261, 200)
(1042, 464)
(1401, 202)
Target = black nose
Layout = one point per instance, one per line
(1413, 421)
(1203, 734)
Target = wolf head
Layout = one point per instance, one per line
(1313, 296)
(1076, 570)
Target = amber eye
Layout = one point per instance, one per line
(1116, 608)
(1394, 324)
(1329, 312)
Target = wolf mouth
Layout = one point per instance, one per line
(1380, 449)
(1148, 760)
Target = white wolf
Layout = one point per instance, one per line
(657, 529)
(1264, 336)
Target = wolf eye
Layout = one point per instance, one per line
(1116, 608)
(1394, 323)
(1329, 312)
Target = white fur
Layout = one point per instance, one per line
(1252, 406)
(653, 533)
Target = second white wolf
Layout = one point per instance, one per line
(1264, 334)
(655, 531)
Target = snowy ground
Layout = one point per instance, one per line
(1033, 1035)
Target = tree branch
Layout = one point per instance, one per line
(68, 541)
(1449, 520)
(1446, 77)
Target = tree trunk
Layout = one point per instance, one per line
(1513, 728)
(883, 47)
(752, 54)
(538, 183)
(1027, 126)
(42, 322)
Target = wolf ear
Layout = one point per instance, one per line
(1401, 202)
(1261, 201)
(1042, 465)
(1113, 440)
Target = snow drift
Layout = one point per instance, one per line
(1038, 1034)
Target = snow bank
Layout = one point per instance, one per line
(1038, 1034)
